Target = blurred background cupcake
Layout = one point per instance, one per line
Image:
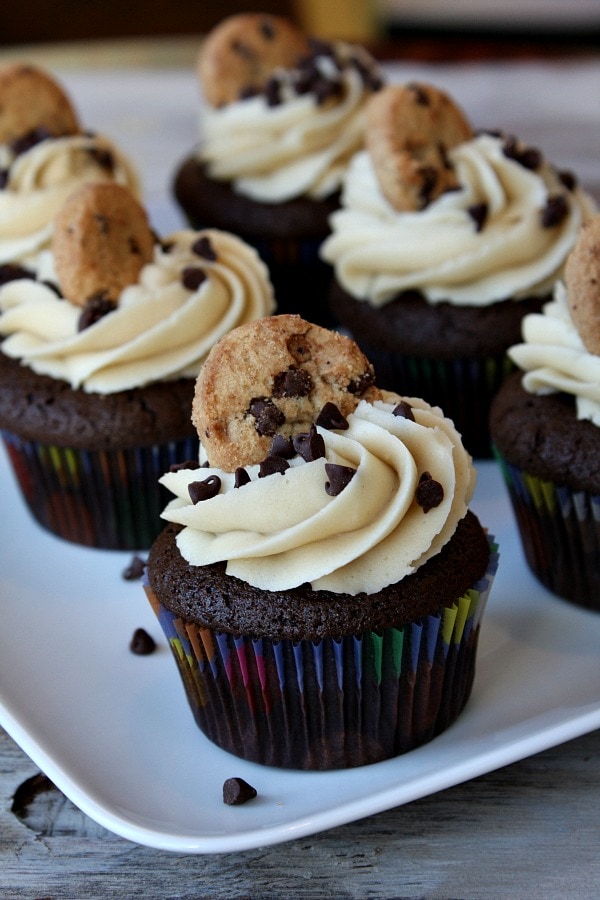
(445, 240)
(545, 425)
(281, 119)
(102, 343)
(322, 582)
(45, 154)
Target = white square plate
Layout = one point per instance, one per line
(113, 730)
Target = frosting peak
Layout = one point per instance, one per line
(385, 497)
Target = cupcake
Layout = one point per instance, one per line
(44, 156)
(102, 345)
(282, 117)
(545, 426)
(321, 580)
(445, 239)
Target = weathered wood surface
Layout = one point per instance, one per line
(528, 830)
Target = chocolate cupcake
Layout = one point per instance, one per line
(545, 425)
(446, 238)
(103, 340)
(282, 117)
(322, 581)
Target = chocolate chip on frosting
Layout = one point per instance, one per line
(331, 418)
(310, 445)
(192, 277)
(339, 478)
(95, 309)
(204, 490)
(272, 465)
(478, 212)
(403, 410)
(429, 493)
(240, 477)
(187, 464)
(555, 210)
(203, 247)
(282, 446)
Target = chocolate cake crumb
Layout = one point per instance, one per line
(142, 643)
(135, 569)
(237, 791)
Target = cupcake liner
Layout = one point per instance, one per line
(105, 499)
(464, 388)
(560, 534)
(331, 703)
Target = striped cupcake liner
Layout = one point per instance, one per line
(332, 703)
(105, 499)
(463, 388)
(560, 534)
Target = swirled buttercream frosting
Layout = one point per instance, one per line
(295, 138)
(37, 182)
(554, 357)
(385, 495)
(199, 286)
(504, 233)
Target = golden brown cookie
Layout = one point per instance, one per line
(31, 99)
(242, 52)
(274, 376)
(409, 130)
(582, 278)
(101, 241)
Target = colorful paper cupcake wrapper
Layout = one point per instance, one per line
(560, 533)
(105, 499)
(463, 388)
(331, 703)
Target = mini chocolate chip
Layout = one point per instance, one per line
(142, 643)
(268, 416)
(292, 383)
(237, 791)
(135, 569)
(568, 179)
(429, 180)
(241, 477)
(204, 248)
(429, 492)
(272, 92)
(272, 465)
(339, 478)
(95, 309)
(404, 411)
(528, 157)
(12, 272)
(331, 418)
(30, 139)
(478, 212)
(324, 88)
(309, 444)
(267, 30)
(3, 178)
(52, 286)
(359, 385)
(187, 464)
(192, 277)
(103, 157)
(282, 446)
(204, 490)
(554, 211)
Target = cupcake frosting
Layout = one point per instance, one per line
(555, 358)
(504, 233)
(384, 497)
(198, 286)
(36, 182)
(295, 138)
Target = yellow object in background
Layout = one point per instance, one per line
(353, 20)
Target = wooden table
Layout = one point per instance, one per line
(529, 829)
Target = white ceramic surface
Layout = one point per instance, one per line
(115, 734)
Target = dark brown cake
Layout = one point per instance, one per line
(40, 408)
(208, 596)
(542, 435)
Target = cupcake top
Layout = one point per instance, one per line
(561, 345)
(111, 307)
(44, 156)
(356, 489)
(285, 113)
(469, 219)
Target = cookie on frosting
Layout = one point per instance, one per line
(274, 376)
(241, 53)
(101, 241)
(409, 130)
(582, 278)
(31, 100)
